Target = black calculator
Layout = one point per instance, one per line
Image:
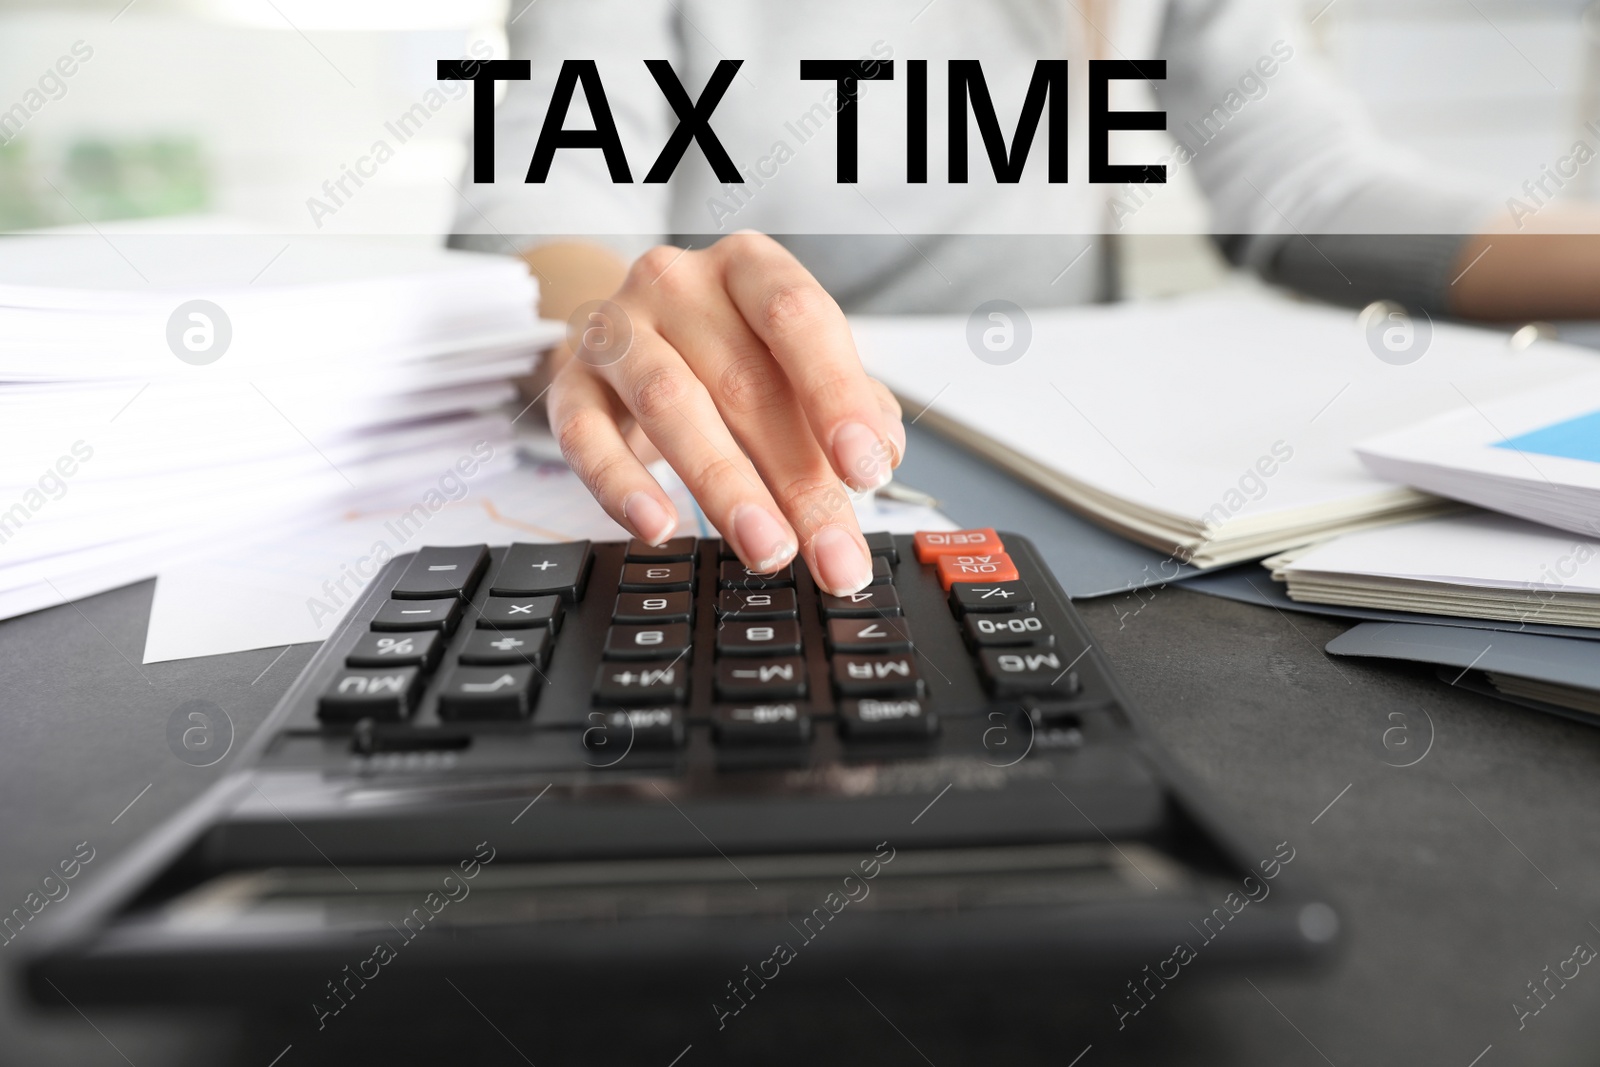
(618, 763)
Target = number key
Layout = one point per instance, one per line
(756, 604)
(678, 548)
(874, 601)
(652, 607)
(656, 577)
(777, 637)
(668, 640)
(736, 575)
(868, 635)
(989, 630)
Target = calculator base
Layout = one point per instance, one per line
(521, 853)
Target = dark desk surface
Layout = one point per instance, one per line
(1460, 878)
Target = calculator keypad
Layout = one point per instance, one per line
(636, 646)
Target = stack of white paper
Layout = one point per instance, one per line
(1535, 454)
(1474, 564)
(1219, 428)
(161, 394)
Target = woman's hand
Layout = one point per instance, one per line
(741, 371)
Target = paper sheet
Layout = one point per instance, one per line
(297, 588)
(1478, 550)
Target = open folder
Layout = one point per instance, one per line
(1218, 428)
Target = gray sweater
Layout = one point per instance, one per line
(1299, 188)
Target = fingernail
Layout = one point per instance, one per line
(861, 455)
(761, 538)
(897, 430)
(843, 565)
(647, 517)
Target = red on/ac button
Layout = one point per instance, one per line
(985, 567)
(931, 545)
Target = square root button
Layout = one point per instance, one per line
(487, 693)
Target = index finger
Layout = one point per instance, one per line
(807, 334)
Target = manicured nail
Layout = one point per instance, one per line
(861, 455)
(647, 517)
(761, 538)
(843, 565)
(897, 430)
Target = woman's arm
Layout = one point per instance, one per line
(1548, 270)
(741, 372)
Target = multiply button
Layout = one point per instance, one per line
(557, 570)
(988, 567)
(761, 679)
(655, 682)
(647, 642)
(442, 572)
(520, 613)
(931, 545)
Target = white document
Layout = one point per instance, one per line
(1221, 425)
(1534, 454)
(1476, 563)
(346, 373)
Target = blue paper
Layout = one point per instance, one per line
(1577, 438)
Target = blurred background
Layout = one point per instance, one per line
(245, 108)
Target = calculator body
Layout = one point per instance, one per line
(994, 809)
